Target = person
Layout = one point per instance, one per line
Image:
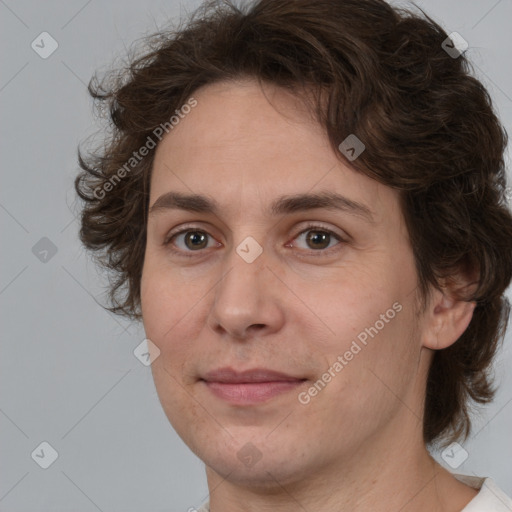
(305, 205)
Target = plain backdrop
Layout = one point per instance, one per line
(69, 376)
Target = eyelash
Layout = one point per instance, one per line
(311, 227)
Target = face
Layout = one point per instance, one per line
(282, 300)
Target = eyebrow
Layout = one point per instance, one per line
(286, 204)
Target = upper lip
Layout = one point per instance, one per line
(231, 376)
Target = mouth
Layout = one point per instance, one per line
(250, 386)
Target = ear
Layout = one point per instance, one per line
(445, 319)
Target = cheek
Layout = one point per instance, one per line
(368, 382)
(349, 301)
(166, 298)
(158, 314)
(164, 307)
(384, 370)
(370, 315)
(173, 316)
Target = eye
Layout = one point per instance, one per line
(318, 238)
(190, 240)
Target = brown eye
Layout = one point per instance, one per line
(190, 240)
(318, 239)
(196, 240)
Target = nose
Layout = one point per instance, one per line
(246, 299)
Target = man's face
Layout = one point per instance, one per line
(331, 285)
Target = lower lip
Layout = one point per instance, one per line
(250, 392)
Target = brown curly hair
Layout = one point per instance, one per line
(429, 129)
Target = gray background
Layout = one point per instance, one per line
(68, 373)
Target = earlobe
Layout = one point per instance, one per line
(447, 319)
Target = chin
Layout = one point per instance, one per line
(240, 461)
(263, 475)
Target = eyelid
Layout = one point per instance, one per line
(311, 226)
(184, 228)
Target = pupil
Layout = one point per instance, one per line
(319, 239)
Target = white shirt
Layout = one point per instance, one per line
(490, 498)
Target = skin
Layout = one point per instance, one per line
(357, 445)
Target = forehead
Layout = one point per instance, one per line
(244, 143)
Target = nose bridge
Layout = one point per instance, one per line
(241, 296)
(243, 277)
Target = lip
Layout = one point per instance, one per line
(250, 386)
